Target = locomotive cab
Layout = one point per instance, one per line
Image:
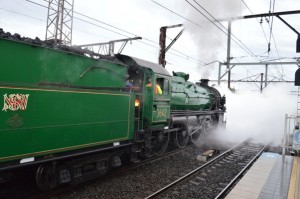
(153, 111)
(161, 100)
(152, 89)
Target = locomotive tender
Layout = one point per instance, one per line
(70, 114)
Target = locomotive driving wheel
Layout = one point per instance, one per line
(181, 138)
(160, 143)
(45, 177)
(196, 136)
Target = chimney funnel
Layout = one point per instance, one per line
(204, 82)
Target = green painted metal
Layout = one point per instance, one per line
(31, 65)
(156, 107)
(55, 101)
(161, 113)
(189, 96)
(161, 102)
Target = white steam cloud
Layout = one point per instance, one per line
(209, 39)
(259, 116)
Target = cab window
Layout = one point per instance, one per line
(163, 84)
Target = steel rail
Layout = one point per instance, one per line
(192, 172)
(224, 191)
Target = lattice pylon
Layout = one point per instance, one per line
(60, 21)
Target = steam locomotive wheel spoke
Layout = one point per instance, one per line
(196, 137)
(45, 177)
(181, 138)
(160, 143)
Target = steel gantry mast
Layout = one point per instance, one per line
(229, 65)
(60, 21)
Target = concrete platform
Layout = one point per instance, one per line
(271, 177)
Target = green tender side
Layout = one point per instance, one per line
(40, 120)
(189, 96)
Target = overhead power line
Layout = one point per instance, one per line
(178, 14)
(257, 21)
(245, 48)
(184, 56)
(25, 15)
(272, 56)
(242, 45)
(271, 26)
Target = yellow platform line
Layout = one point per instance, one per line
(294, 188)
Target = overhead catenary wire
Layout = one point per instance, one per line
(222, 26)
(264, 33)
(254, 56)
(177, 14)
(248, 51)
(272, 56)
(271, 36)
(185, 18)
(25, 15)
(269, 52)
(251, 53)
(184, 56)
(271, 26)
(135, 35)
(257, 21)
(282, 72)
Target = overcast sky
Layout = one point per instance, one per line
(201, 43)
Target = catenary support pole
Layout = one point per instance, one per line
(284, 136)
(266, 76)
(228, 52)
(219, 74)
(261, 82)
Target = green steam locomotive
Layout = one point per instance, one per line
(73, 114)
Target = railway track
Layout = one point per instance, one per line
(143, 179)
(216, 177)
